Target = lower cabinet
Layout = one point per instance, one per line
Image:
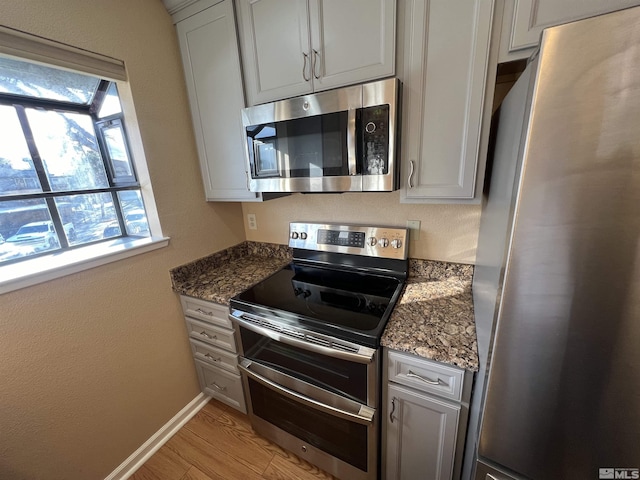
(426, 412)
(214, 348)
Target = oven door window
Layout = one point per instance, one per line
(339, 376)
(304, 147)
(340, 438)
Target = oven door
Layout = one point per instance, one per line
(310, 357)
(304, 144)
(337, 434)
(318, 403)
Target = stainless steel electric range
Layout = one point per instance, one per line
(310, 344)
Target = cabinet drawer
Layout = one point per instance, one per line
(206, 311)
(205, 332)
(214, 356)
(425, 375)
(220, 384)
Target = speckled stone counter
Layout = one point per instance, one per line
(434, 316)
(223, 275)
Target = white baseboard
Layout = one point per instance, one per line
(151, 446)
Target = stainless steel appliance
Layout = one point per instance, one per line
(310, 344)
(335, 141)
(557, 280)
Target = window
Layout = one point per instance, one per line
(67, 179)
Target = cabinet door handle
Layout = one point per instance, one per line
(424, 379)
(315, 61)
(206, 335)
(211, 357)
(204, 312)
(393, 409)
(304, 67)
(215, 385)
(412, 167)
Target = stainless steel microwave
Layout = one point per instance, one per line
(341, 140)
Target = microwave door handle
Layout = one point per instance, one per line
(364, 416)
(351, 141)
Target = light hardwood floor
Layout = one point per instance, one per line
(218, 444)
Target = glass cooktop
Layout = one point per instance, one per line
(351, 305)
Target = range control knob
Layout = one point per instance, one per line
(371, 241)
(397, 243)
(384, 242)
(294, 235)
(303, 235)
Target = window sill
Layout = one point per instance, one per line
(49, 267)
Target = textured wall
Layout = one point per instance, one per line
(91, 365)
(448, 232)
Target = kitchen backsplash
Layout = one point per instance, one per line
(448, 232)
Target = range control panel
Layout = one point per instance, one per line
(385, 242)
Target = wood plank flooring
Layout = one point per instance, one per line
(218, 444)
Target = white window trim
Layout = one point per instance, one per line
(25, 46)
(49, 267)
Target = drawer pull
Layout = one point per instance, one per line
(222, 389)
(206, 335)
(424, 379)
(210, 357)
(204, 312)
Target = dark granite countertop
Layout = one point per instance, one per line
(433, 318)
(221, 276)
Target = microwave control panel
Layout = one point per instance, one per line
(374, 122)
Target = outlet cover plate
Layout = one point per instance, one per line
(414, 229)
(251, 220)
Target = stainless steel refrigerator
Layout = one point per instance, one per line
(557, 282)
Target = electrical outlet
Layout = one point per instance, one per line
(414, 229)
(251, 220)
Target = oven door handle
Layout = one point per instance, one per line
(364, 416)
(364, 355)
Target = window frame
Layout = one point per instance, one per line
(49, 265)
(116, 184)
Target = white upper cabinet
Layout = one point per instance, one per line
(209, 48)
(443, 65)
(294, 47)
(524, 20)
(352, 41)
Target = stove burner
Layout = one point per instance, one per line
(345, 304)
(343, 291)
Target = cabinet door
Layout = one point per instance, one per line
(530, 17)
(351, 42)
(274, 36)
(421, 436)
(209, 49)
(444, 69)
